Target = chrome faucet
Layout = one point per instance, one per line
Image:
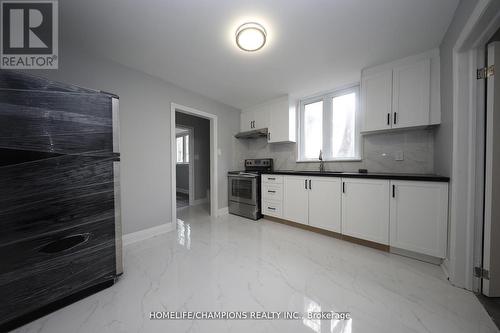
(321, 162)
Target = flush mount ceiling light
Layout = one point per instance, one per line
(251, 36)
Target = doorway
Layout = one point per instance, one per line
(184, 137)
(194, 142)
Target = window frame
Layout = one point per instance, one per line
(327, 127)
(184, 154)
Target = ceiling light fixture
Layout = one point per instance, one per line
(251, 36)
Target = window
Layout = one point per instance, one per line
(183, 148)
(329, 123)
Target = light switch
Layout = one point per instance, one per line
(399, 156)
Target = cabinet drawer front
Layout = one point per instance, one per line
(273, 192)
(272, 179)
(272, 208)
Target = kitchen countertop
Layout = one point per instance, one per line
(373, 175)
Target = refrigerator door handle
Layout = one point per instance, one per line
(118, 219)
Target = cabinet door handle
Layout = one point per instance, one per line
(269, 191)
(343, 187)
(388, 119)
(271, 208)
(310, 187)
(271, 178)
(395, 117)
(393, 191)
(269, 136)
(305, 184)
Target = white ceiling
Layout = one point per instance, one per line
(313, 45)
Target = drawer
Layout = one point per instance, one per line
(272, 179)
(272, 208)
(272, 192)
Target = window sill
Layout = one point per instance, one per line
(354, 159)
(178, 163)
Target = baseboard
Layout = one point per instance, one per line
(223, 211)
(141, 235)
(200, 201)
(182, 190)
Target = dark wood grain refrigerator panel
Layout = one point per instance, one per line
(57, 197)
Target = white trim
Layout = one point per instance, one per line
(223, 211)
(213, 155)
(144, 234)
(465, 170)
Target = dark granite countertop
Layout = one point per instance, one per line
(373, 175)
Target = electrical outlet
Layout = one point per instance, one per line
(399, 156)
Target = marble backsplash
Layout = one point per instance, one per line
(378, 154)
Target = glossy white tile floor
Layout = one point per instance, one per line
(232, 263)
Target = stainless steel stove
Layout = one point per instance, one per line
(244, 188)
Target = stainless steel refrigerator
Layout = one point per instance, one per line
(60, 237)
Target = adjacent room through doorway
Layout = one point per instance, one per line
(192, 161)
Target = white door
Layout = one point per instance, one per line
(325, 203)
(295, 199)
(246, 121)
(419, 217)
(365, 209)
(281, 124)
(261, 119)
(411, 94)
(491, 241)
(376, 101)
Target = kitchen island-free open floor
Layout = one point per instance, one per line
(235, 264)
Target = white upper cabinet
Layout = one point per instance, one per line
(402, 94)
(277, 115)
(365, 209)
(247, 121)
(411, 94)
(376, 101)
(419, 217)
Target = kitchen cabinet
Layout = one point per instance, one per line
(401, 94)
(365, 209)
(376, 101)
(419, 217)
(411, 94)
(282, 118)
(325, 203)
(296, 199)
(277, 115)
(272, 195)
(314, 201)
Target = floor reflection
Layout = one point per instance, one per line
(184, 234)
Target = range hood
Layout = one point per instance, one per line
(253, 134)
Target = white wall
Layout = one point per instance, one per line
(145, 132)
(444, 134)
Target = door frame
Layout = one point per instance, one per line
(467, 174)
(174, 107)
(191, 180)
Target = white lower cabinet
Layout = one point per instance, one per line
(365, 209)
(325, 203)
(419, 217)
(296, 199)
(408, 215)
(314, 201)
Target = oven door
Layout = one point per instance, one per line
(243, 189)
